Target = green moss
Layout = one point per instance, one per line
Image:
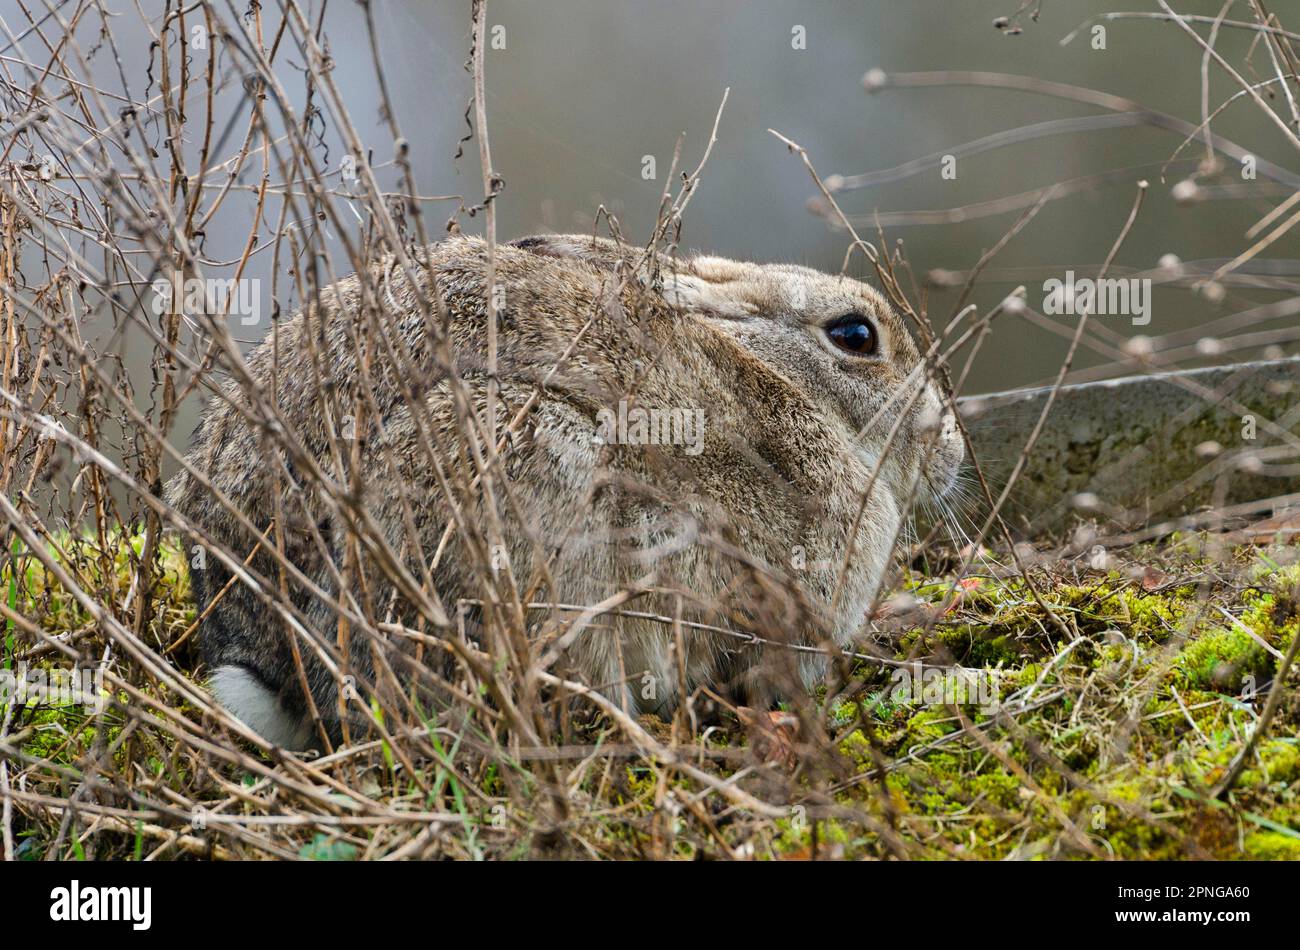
(972, 644)
(999, 787)
(1106, 712)
(1221, 660)
(928, 725)
(1272, 846)
(857, 749)
(796, 833)
(1131, 609)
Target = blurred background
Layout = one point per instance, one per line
(580, 92)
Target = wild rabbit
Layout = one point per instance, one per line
(704, 444)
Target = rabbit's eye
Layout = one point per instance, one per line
(855, 334)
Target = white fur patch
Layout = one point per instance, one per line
(245, 698)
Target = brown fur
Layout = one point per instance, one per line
(751, 530)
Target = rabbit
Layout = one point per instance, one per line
(704, 447)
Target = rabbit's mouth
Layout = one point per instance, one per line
(942, 460)
(940, 481)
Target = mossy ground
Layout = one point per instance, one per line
(1123, 692)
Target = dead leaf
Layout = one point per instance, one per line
(771, 736)
(1153, 579)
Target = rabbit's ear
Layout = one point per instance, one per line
(708, 287)
(689, 292)
(601, 252)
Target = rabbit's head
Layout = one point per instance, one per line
(833, 339)
(839, 342)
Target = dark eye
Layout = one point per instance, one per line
(855, 334)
